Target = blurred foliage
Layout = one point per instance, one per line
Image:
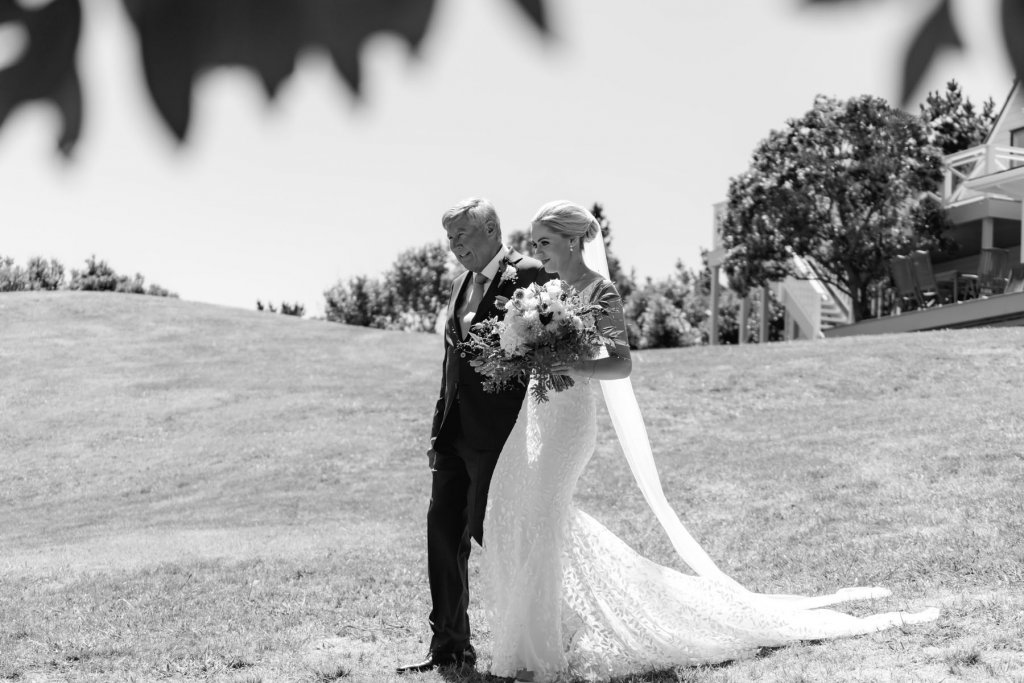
(181, 39)
(937, 32)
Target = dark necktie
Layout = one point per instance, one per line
(476, 294)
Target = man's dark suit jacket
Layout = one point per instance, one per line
(485, 419)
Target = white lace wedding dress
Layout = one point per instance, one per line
(566, 598)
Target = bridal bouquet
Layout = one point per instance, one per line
(544, 326)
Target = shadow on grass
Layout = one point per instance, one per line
(467, 675)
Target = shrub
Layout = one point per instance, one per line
(98, 276)
(45, 275)
(296, 309)
(12, 278)
(409, 297)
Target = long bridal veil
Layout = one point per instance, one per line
(629, 428)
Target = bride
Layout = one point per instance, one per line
(564, 596)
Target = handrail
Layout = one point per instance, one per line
(809, 270)
(974, 163)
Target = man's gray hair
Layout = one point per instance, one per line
(478, 210)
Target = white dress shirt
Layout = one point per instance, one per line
(465, 315)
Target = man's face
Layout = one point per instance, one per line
(473, 245)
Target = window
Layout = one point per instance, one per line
(1016, 140)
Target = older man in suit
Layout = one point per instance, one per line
(470, 425)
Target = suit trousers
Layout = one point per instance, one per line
(458, 499)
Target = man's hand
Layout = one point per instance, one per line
(431, 457)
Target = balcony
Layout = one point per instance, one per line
(985, 172)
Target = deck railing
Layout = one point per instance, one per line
(975, 163)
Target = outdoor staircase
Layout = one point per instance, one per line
(812, 305)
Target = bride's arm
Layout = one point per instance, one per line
(612, 322)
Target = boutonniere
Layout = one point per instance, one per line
(509, 274)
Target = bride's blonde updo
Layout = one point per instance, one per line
(569, 219)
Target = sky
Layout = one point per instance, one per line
(646, 107)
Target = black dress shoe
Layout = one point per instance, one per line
(435, 660)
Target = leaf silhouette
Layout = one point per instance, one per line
(1013, 33)
(46, 71)
(937, 31)
(182, 38)
(535, 10)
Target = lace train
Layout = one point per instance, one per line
(566, 598)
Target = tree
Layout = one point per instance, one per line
(848, 185)
(624, 283)
(410, 295)
(419, 283)
(659, 313)
(520, 241)
(953, 123)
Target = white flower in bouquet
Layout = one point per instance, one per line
(554, 288)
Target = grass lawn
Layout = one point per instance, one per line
(197, 493)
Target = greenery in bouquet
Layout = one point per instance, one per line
(544, 326)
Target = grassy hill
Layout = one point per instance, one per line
(191, 492)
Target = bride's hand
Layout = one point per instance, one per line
(580, 369)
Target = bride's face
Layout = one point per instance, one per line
(549, 247)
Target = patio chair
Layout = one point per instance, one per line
(904, 288)
(932, 291)
(993, 269)
(1016, 282)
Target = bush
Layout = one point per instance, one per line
(659, 314)
(357, 302)
(40, 274)
(45, 275)
(410, 296)
(296, 309)
(12, 277)
(98, 276)
(656, 322)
